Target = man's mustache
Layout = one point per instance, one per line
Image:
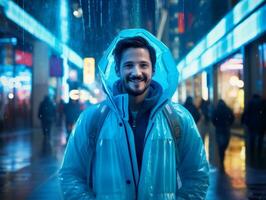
(138, 78)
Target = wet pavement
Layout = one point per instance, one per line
(29, 163)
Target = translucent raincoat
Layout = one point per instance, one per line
(113, 170)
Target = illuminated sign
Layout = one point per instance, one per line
(181, 22)
(89, 71)
(28, 23)
(216, 46)
(23, 58)
(56, 66)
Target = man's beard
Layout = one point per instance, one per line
(135, 92)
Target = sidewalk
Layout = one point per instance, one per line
(220, 188)
(29, 163)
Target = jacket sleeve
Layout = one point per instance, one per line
(77, 161)
(193, 168)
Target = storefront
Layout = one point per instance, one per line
(196, 87)
(255, 73)
(230, 84)
(15, 85)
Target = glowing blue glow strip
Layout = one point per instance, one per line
(27, 22)
(64, 21)
(192, 69)
(249, 29)
(195, 52)
(217, 32)
(239, 12)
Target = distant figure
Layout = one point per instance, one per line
(47, 115)
(222, 119)
(60, 112)
(189, 105)
(1, 113)
(9, 114)
(72, 111)
(254, 118)
(205, 121)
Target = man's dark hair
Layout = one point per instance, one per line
(133, 42)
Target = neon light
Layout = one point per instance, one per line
(249, 29)
(65, 86)
(216, 33)
(27, 22)
(194, 53)
(72, 56)
(89, 70)
(64, 21)
(204, 86)
(228, 67)
(218, 47)
(243, 8)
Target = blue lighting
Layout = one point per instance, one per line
(28, 23)
(226, 37)
(216, 33)
(64, 21)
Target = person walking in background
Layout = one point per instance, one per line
(47, 114)
(72, 111)
(254, 118)
(60, 112)
(2, 111)
(222, 119)
(205, 125)
(190, 106)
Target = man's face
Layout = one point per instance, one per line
(135, 71)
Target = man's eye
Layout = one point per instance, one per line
(144, 65)
(128, 65)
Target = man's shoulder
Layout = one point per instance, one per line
(179, 109)
(93, 109)
(182, 114)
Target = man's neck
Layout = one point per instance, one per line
(136, 101)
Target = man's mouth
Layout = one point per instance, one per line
(136, 80)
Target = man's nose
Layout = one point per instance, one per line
(136, 70)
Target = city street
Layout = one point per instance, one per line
(60, 57)
(29, 163)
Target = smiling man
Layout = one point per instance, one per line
(136, 153)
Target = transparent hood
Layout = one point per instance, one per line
(166, 72)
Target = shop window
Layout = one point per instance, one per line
(231, 84)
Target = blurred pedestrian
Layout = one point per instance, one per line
(1, 113)
(205, 124)
(72, 111)
(9, 114)
(254, 118)
(47, 115)
(190, 106)
(60, 112)
(222, 119)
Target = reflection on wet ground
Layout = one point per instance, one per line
(27, 159)
(29, 163)
(230, 184)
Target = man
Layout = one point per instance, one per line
(46, 114)
(135, 155)
(72, 111)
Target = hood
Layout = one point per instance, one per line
(166, 73)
